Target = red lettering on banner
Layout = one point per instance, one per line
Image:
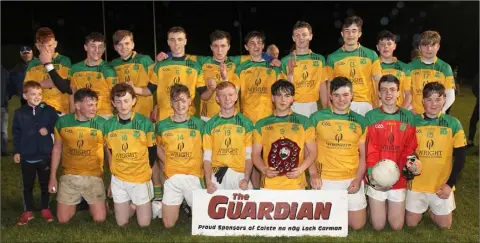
(220, 205)
(282, 210)
(212, 207)
(264, 210)
(323, 209)
(305, 211)
(250, 210)
(234, 210)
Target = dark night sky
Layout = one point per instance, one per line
(457, 22)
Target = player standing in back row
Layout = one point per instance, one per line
(308, 71)
(359, 64)
(429, 68)
(386, 45)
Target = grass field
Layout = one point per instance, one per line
(82, 229)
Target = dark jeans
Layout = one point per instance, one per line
(473, 123)
(29, 173)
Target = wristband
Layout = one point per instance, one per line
(49, 66)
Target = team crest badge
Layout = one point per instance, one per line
(295, 127)
(239, 130)
(315, 63)
(93, 133)
(136, 134)
(352, 126)
(189, 71)
(443, 131)
(193, 133)
(269, 71)
(363, 61)
(403, 127)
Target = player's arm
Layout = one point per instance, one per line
(16, 132)
(362, 165)
(248, 155)
(207, 145)
(450, 98)
(373, 152)
(55, 162)
(460, 152)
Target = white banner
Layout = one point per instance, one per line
(270, 213)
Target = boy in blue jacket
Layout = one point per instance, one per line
(32, 130)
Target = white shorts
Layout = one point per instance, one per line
(361, 107)
(178, 187)
(106, 117)
(205, 119)
(356, 201)
(138, 193)
(419, 202)
(305, 109)
(231, 180)
(396, 195)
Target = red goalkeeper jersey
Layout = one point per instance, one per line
(390, 136)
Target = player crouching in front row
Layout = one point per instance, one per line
(283, 136)
(227, 144)
(390, 135)
(340, 135)
(131, 146)
(79, 141)
(437, 135)
(179, 146)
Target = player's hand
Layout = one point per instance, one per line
(270, 172)
(52, 185)
(444, 191)
(211, 84)
(211, 187)
(275, 63)
(294, 173)
(316, 182)
(43, 131)
(45, 55)
(243, 184)
(109, 191)
(16, 158)
(292, 62)
(354, 186)
(47, 83)
(223, 70)
(162, 56)
(130, 83)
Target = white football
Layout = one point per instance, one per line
(386, 173)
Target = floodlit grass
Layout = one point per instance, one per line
(82, 229)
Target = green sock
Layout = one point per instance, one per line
(158, 191)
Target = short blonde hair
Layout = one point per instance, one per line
(430, 37)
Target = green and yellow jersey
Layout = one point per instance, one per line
(436, 140)
(256, 79)
(402, 72)
(52, 96)
(175, 71)
(100, 78)
(295, 127)
(210, 69)
(82, 145)
(359, 66)
(309, 72)
(226, 140)
(338, 139)
(136, 69)
(129, 142)
(422, 74)
(182, 143)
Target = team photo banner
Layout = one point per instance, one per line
(270, 213)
